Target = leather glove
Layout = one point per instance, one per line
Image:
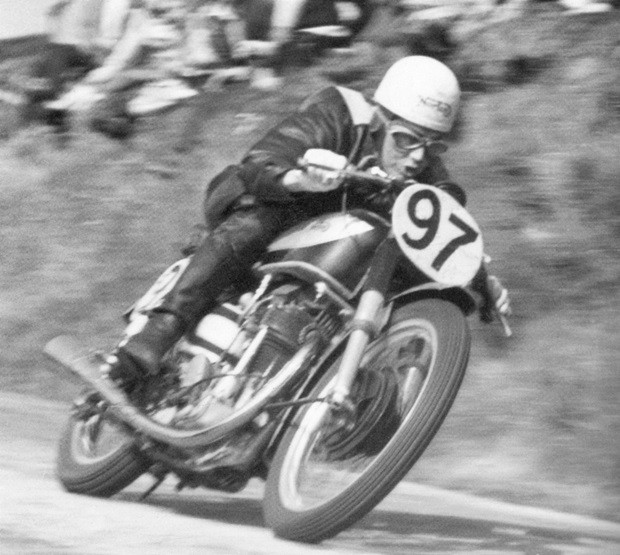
(499, 296)
(495, 298)
(315, 179)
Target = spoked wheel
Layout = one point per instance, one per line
(329, 472)
(96, 456)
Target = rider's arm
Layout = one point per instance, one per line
(324, 123)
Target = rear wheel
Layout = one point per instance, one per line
(96, 456)
(325, 476)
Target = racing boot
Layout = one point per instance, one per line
(212, 268)
(141, 355)
(215, 266)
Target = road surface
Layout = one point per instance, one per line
(38, 518)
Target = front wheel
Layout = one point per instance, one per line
(326, 476)
(97, 457)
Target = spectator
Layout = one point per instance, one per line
(151, 81)
(273, 29)
(209, 35)
(86, 37)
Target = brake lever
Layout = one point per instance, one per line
(504, 322)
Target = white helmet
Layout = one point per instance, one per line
(421, 90)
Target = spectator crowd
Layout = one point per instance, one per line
(117, 60)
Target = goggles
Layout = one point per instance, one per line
(406, 140)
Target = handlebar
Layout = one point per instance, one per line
(384, 184)
(378, 181)
(362, 177)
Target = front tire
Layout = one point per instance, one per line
(324, 479)
(97, 457)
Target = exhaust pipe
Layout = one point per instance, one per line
(78, 359)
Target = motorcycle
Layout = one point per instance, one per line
(327, 379)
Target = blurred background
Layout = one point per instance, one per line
(89, 221)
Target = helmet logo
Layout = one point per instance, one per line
(442, 107)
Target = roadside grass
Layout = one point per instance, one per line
(86, 228)
(540, 159)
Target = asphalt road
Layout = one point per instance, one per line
(38, 518)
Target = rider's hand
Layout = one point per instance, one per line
(321, 172)
(499, 294)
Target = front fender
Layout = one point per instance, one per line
(459, 296)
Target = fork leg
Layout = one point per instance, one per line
(366, 321)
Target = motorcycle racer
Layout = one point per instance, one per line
(399, 132)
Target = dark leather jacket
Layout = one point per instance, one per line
(323, 121)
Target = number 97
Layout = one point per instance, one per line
(428, 222)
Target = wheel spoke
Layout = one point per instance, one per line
(320, 481)
(324, 461)
(96, 438)
(97, 456)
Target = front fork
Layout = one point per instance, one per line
(366, 322)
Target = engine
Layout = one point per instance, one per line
(238, 347)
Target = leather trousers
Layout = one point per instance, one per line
(225, 255)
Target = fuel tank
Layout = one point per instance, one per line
(335, 248)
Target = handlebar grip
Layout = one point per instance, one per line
(349, 173)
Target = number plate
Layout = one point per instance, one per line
(162, 286)
(437, 235)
